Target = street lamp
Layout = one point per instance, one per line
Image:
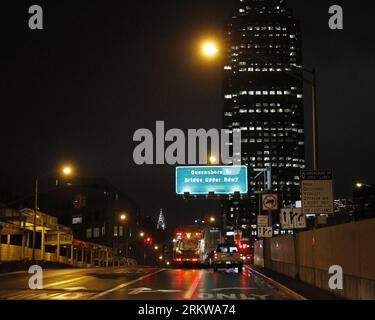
(123, 219)
(213, 160)
(65, 171)
(212, 219)
(360, 185)
(209, 49)
(142, 234)
(156, 248)
(361, 199)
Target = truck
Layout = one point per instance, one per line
(212, 237)
(186, 245)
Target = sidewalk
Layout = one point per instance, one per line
(301, 288)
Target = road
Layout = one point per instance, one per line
(139, 283)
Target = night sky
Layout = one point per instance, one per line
(77, 90)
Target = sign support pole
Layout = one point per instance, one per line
(270, 220)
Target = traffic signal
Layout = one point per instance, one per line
(148, 241)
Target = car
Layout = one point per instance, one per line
(227, 256)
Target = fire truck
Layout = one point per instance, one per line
(186, 245)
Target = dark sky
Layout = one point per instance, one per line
(100, 70)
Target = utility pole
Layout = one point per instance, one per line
(314, 122)
(269, 189)
(267, 185)
(35, 216)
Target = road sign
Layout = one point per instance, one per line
(317, 192)
(292, 218)
(262, 221)
(270, 202)
(300, 219)
(198, 180)
(265, 232)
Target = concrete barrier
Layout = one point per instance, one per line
(309, 255)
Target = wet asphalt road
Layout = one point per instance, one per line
(139, 283)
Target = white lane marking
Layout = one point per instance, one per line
(234, 288)
(148, 290)
(75, 288)
(123, 285)
(194, 285)
(62, 282)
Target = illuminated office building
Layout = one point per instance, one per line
(263, 97)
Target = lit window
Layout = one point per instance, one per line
(88, 233)
(77, 220)
(96, 232)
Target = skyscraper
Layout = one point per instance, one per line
(161, 221)
(263, 97)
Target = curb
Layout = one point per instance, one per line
(278, 285)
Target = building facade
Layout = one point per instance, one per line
(96, 211)
(263, 97)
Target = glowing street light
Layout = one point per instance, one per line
(360, 185)
(123, 217)
(156, 247)
(212, 159)
(67, 170)
(209, 49)
(142, 234)
(212, 219)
